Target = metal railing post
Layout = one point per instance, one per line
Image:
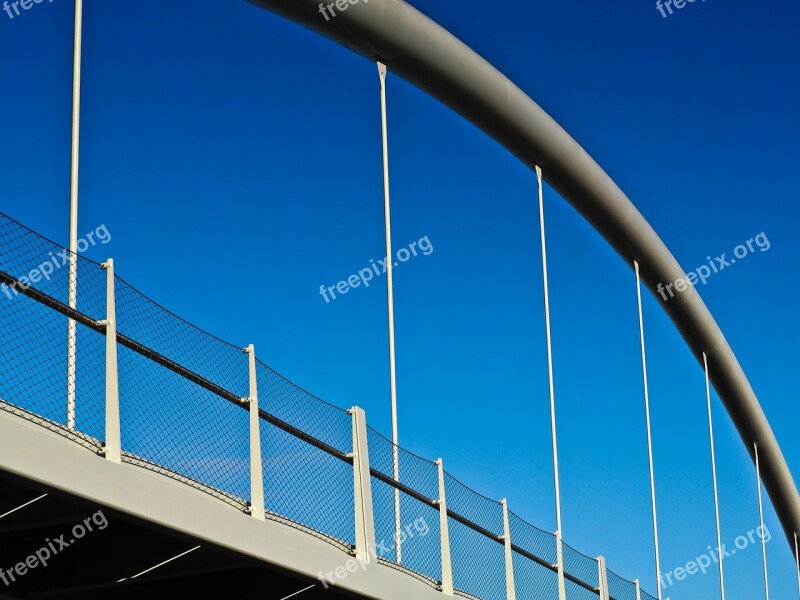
(639, 590)
(362, 485)
(602, 574)
(112, 449)
(256, 471)
(444, 529)
(511, 591)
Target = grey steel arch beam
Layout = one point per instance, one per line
(422, 52)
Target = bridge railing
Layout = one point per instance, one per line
(184, 399)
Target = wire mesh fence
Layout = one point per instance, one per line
(34, 367)
(532, 580)
(182, 414)
(38, 263)
(478, 562)
(415, 472)
(531, 539)
(383, 511)
(581, 566)
(578, 592)
(401, 519)
(39, 380)
(620, 588)
(418, 534)
(306, 485)
(483, 511)
(175, 426)
(154, 327)
(300, 409)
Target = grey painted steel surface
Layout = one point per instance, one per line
(422, 52)
(35, 453)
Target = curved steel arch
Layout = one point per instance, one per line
(422, 52)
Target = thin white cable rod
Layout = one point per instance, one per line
(562, 593)
(72, 295)
(714, 477)
(649, 431)
(763, 529)
(387, 213)
(797, 562)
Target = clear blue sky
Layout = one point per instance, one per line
(235, 159)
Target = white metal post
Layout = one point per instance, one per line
(256, 472)
(113, 446)
(562, 588)
(362, 483)
(387, 214)
(511, 590)
(602, 575)
(72, 296)
(444, 529)
(639, 590)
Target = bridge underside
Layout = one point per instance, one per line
(151, 519)
(92, 566)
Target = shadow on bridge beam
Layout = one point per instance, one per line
(53, 545)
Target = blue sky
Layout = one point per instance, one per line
(235, 159)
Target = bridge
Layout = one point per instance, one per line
(186, 465)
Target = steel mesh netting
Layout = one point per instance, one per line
(418, 522)
(620, 588)
(533, 581)
(35, 338)
(478, 562)
(646, 596)
(383, 502)
(307, 485)
(292, 404)
(146, 322)
(532, 539)
(178, 428)
(471, 505)
(33, 370)
(421, 538)
(581, 566)
(45, 267)
(577, 592)
(417, 473)
(420, 534)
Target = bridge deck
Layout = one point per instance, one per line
(152, 518)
